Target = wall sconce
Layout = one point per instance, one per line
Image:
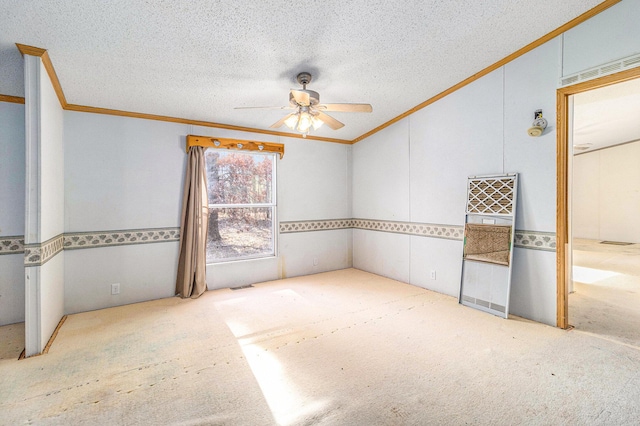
(538, 126)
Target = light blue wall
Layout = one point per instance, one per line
(12, 173)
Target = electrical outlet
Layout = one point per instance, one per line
(315, 261)
(115, 289)
(433, 274)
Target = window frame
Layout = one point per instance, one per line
(273, 204)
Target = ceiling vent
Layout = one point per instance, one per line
(602, 70)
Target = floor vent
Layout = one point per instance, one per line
(483, 303)
(244, 286)
(616, 243)
(606, 69)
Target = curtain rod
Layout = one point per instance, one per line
(239, 144)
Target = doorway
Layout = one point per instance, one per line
(598, 271)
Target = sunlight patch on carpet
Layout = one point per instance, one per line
(286, 403)
(591, 275)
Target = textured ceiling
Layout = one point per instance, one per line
(606, 116)
(198, 59)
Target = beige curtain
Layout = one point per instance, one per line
(192, 261)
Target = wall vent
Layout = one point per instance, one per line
(589, 74)
(631, 61)
(611, 68)
(602, 70)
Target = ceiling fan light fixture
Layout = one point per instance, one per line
(292, 121)
(316, 123)
(309, 113)
(305, 122)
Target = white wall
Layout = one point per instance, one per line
(530, 84)
(457, 137)
(51, 296)
(416, 169)
(51, 161)
(606, 197)
(608, 36)
(478, 130)
(51, 208)
(11, 169)
(381, 175)
(144, 272)
(313, 183)
(120, 174)
(12, 174)
(123, 173)
(11, 288)
(585, 196)
(127, 173)
(382, 253)
(313, 180)
(44, 204)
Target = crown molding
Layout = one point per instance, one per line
(42, 53)
(96, 110)
(12, 99)
(30, 50)
(48, 65)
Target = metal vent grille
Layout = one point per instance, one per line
(589, 74)
(611, 68)
(631, 61)
(602, 70)
(480, 302)
(491, 195)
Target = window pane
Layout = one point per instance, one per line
(239, 177)
(239, 232)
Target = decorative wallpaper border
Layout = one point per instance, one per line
(449, 232)
(536, 240)
(12, 245)
(82, 240)
(315, 225)
(39, 254)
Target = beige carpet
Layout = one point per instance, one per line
(606, 301)
(11, 341)
(340, 348)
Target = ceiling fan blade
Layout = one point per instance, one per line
(266, 107)
(280, 122)
(330, 121)
(346, 107)
(302, 98)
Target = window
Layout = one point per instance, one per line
(242, 205)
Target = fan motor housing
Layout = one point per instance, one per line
(314, 97)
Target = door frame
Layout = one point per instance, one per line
(562, 182)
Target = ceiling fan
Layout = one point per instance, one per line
(308, 111)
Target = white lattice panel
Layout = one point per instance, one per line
(488, 243)
(491, 195)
